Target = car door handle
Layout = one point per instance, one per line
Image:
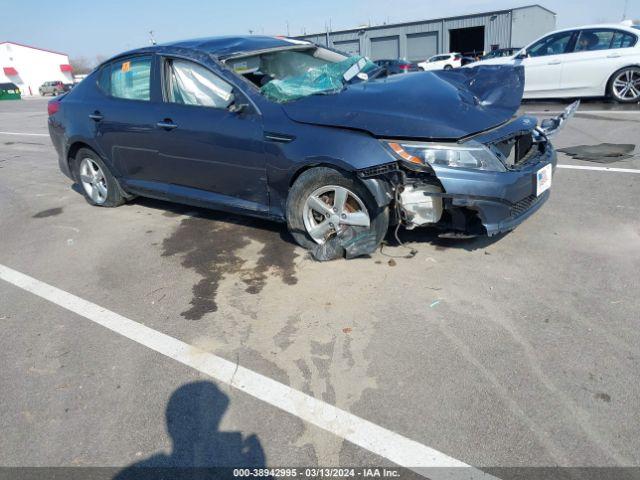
(613, 55)
(167, 124)
(96, 116)
(554, 62)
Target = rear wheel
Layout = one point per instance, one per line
(99, 187)
(323, 203)
(624, 86)
(448, 67)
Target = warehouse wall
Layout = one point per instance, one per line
(496, 31)
(503, 29)
(529, 24)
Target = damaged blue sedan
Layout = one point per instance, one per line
(298, 133)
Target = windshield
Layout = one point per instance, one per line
(287, 75)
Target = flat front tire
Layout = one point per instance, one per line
(323, 201)
(98, 185)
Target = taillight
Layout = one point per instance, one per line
(404, 66)
(53, 106)
(457, 57)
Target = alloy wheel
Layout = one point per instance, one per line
(626, 85)
(93, 180)
(330, 209)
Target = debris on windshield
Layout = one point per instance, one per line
(324, 79)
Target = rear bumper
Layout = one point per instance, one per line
(501, 200)
(56, 133)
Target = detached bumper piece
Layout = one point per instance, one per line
(551, 126)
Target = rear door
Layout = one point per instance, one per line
(544, 63)
(125, 118)
(204, 143)
(597, 54)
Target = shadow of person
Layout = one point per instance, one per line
(193, 416)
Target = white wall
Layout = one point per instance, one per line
(34, 67)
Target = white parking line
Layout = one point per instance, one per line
(27, 134)
(385, 443)
(602, 169)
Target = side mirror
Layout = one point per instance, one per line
(522, 54)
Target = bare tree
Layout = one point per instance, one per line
(81, 65)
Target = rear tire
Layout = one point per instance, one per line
(99, 187)
(624, 85)
(448, 67)
(317, 179)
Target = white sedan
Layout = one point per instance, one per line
(445, 61)
(590, 61)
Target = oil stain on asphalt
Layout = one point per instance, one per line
(209, 243)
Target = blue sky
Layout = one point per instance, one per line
(87, 28)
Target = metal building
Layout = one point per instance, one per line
(468, 34)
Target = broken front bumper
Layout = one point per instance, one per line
(501, 200)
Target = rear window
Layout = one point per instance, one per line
(623, 40)
(128, 78)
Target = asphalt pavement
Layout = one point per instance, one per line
(520, 350)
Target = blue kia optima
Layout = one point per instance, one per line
(295, 132)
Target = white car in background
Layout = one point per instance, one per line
(445, 61)
(589, 61)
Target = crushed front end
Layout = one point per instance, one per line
(487, 183)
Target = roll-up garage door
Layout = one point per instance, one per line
(385, 48)
(421, 46)
(352, 47)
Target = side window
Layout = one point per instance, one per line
(131, 78)
(623, 40)
(189, 83)
(103, 79)
(591, 40)
(552, 45)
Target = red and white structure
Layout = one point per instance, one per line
(29, 67)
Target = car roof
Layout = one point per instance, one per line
(220, 47)
(617, 26)
(226, 46)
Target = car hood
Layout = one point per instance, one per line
(442, 105)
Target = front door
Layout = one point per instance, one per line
(205, 143)
(544, 62)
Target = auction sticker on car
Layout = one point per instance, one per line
(543, 179)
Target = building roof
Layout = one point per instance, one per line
(34, 48)
(428, 20)
(226, 46)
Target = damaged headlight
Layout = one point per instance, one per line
(473, 155)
